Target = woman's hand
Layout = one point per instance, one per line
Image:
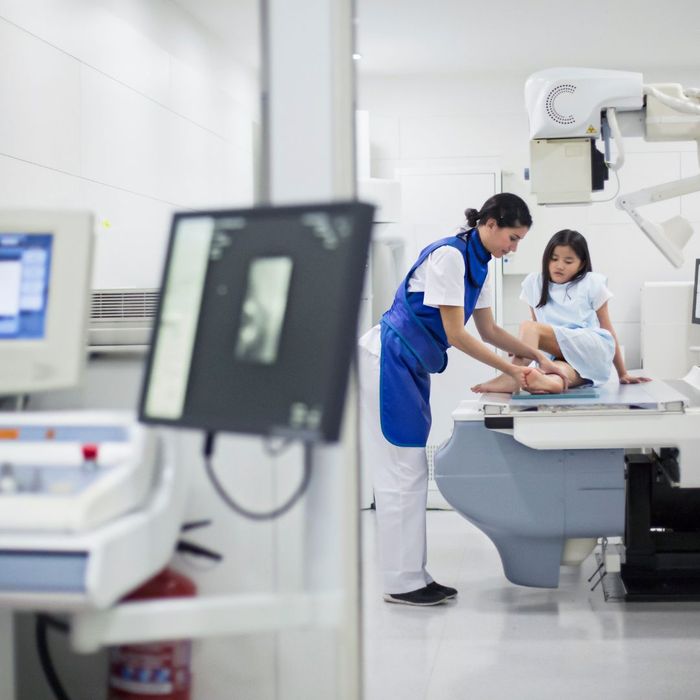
(520, 373)
(631, 379)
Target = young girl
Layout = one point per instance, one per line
(570, 321)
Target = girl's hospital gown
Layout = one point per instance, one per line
(571, 311)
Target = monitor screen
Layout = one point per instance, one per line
(257, 320)
(25, 266)
(696, 294)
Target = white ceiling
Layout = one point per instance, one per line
(448, 36)
(409, 37)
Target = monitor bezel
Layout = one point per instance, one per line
(56, 361)
(330, 431)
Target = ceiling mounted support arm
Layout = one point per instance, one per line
(669, 236)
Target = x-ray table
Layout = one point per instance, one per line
(535, 473)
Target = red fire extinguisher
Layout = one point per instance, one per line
(160, 670)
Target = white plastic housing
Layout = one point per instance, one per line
(567, 102)
(126, 544)
(560, 170)
(55, 361)
(663, 123)
(120, 483)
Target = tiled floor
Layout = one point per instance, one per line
(498, 640)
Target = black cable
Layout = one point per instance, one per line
(43, 622)
(194, 525)
(57, 624)
(600, 566)
(602, 576)
(250, 514)
(185, 547)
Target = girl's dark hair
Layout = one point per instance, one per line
(578, 244)
(508, 210)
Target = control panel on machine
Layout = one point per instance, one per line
(59, 473)
(89, 508)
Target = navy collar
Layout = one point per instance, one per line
(477, 246)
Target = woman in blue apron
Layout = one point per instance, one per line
(442, 290)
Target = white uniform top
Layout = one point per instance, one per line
(571, 311)
(441, 277)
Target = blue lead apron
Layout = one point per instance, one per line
(414, 345)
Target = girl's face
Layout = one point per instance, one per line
(563, 264)
(501, 241)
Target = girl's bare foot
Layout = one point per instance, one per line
(503, 384)
(540, 383)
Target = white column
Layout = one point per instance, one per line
(310, 80)
(310, 150)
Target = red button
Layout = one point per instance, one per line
(90, 452)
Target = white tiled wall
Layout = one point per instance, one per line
(104, 109)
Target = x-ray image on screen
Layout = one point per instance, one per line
(264, 306)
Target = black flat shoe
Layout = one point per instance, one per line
(422, 596)
(447, 591)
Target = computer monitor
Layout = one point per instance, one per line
(45, 278)
(257, 320)
(696, 294)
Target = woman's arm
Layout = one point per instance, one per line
(457, 336)
(492, 333)
(605, 322)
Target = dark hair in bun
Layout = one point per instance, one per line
(507, 209)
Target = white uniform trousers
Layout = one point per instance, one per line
(400, 479)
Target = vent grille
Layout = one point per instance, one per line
(436, 500)
(430, 451)
(115, 304)
(552, 111)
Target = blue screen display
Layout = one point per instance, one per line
(25, 264)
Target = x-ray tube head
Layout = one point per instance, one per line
(568, 102)
(565, 108)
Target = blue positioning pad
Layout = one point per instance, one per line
(583, 392)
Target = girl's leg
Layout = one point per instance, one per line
(541, 336)
(537, 335)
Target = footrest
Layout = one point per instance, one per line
(586, 392)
